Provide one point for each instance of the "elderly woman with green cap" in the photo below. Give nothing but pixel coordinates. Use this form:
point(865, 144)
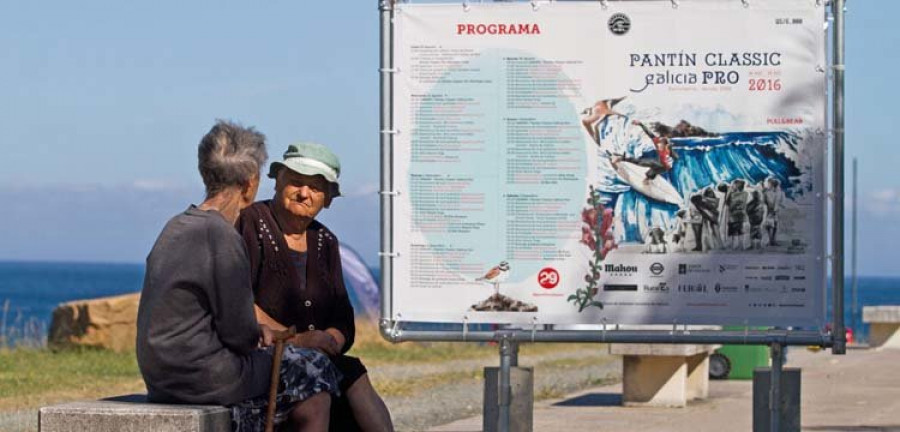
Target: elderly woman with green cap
point(298, 281)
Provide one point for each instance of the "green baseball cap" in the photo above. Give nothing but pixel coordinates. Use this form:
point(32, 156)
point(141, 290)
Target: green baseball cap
point(310, 158)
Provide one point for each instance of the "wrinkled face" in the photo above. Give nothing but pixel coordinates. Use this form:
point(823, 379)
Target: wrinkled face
point(301, 195)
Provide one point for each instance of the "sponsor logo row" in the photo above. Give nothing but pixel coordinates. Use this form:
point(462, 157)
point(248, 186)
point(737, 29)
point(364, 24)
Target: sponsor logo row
point(658, 269)
point(700, 288)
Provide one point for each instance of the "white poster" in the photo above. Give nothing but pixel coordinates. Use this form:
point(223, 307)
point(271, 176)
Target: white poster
point(563, 163)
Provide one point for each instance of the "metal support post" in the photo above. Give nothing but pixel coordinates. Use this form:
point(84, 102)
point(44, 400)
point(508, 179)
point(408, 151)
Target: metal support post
point(777, 351)
point(506, 360)
point(837, 228)
point(703, 337)
point(386, 80)
point(854, 306)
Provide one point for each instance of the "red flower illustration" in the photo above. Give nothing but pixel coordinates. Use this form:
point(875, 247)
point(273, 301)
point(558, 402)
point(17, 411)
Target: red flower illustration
point(596, 234)
point(589, 216)
point(587, 238)
point(607, 221)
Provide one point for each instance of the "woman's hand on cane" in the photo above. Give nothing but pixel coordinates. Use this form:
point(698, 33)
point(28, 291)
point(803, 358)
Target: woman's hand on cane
point(266, 336)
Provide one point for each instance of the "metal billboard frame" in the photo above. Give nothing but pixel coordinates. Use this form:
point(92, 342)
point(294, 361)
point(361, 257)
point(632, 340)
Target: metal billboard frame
point(508, 339)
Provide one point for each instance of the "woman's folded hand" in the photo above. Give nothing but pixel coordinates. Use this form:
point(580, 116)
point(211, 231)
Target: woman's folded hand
point(317, 339)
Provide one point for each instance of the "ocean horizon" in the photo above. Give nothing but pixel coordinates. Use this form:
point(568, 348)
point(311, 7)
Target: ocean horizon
point(30, 290)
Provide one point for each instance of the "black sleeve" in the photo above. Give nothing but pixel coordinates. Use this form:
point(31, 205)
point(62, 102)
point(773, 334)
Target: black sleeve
point(249, 231)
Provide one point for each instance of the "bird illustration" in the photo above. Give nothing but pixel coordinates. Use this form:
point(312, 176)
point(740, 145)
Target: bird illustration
point(496, 276)
point(595, 114)
point(603, 108)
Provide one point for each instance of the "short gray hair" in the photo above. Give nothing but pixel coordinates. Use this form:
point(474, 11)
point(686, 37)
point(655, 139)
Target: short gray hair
point(230, 155)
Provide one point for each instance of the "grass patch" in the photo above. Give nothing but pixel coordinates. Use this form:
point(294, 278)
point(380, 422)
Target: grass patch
point(420, 352)
point(579, 364)
point(406, 387)
point(574, 362)
point(33, 377)
point(374, 350)
point(550, 392)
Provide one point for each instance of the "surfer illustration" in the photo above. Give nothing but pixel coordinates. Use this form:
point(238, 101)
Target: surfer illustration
point(641, 174)
point(681, 223)
point(595, 114)
point(696, 220)
point(736, 203)
point(722, 194)
point(664, 161)
point(707, 205)
point(756, 213)
point(657, 241)
point(773, 196)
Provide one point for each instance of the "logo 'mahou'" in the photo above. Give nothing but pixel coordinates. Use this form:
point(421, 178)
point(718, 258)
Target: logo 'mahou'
point(620, 268)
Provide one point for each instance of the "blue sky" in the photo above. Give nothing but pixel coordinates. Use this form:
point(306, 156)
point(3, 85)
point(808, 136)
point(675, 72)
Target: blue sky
point(102, 104)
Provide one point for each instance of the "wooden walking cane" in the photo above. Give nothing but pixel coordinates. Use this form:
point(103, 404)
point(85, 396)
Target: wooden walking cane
point(280, 338)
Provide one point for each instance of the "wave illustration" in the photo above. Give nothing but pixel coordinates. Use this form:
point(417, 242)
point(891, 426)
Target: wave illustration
point(702, 162)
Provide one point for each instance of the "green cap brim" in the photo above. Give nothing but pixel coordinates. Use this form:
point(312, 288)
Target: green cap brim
point(308, 167)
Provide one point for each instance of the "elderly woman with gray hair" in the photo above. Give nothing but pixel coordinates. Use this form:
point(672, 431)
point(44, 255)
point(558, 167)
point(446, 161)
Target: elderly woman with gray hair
point(298, 279)
point(198, 338)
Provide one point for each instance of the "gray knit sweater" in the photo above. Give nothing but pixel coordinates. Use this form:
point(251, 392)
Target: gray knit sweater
point(197, 334)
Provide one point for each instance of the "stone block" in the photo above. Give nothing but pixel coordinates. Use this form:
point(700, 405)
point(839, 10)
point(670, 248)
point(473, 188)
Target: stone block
point(657, 381)
point(109, 322)
point(660, 349)
point(884, 326)
point(132, 414)
point(697, 376)
point(663, 375)
point(881, 314)
point(884, 335)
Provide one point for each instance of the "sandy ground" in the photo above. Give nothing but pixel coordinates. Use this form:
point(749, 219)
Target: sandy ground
point(856, 392)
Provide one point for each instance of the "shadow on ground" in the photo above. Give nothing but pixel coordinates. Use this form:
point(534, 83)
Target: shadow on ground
point(593, 400)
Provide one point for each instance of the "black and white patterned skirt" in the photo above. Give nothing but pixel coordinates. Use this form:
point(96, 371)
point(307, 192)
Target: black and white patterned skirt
point(304, 373)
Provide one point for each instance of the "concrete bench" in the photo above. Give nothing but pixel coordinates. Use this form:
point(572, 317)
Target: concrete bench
point(132, 414)
point(663, 375)
point(884, 326)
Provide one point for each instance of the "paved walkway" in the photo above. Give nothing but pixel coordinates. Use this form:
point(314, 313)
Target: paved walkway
point(857, 392)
